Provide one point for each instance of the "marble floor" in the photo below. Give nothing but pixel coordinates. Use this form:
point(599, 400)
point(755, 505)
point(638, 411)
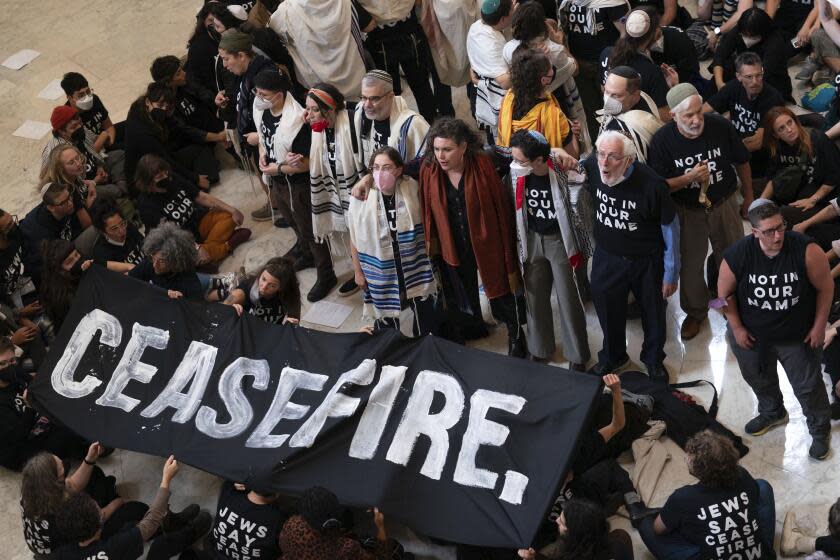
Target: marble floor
point(112, 42)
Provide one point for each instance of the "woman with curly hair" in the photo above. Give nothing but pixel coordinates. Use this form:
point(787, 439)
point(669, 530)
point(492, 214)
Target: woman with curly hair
point(727, 511)
point(529, 105)
point(170, 262)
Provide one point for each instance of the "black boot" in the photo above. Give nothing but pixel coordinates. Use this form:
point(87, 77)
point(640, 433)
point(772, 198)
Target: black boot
point(636, 509)
point(174, 521)
point(516, 343)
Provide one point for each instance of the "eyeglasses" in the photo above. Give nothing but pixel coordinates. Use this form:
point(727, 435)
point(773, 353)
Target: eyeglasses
point(79, 158)
point(69, 199)
point(751, 77)
point(773, 231)
point(6, 363)
point(615, 158)
point(117, 227)
point(374, 99)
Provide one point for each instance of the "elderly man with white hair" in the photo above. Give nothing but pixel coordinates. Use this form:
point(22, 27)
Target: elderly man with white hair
point(636, 236)
point(702, 158)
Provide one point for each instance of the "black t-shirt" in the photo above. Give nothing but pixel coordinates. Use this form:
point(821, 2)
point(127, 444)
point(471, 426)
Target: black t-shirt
point(629, 216)
point(776, 300)
point(390, 204)
point(242, 529)
point(791, 15)
point(131, 251)
point(185, 282)
point(40, 533)
point(772, 50)
point(381, 133)
point(41, 225)
point(653, 81)
point(11, 262)
point(268, 128)
point(125, 545)
point(329, 134)
point(587, 40)
point(94, 118)
point(542, 214)
point(823, 168)
point(16, 422)
point(671, 154)
point(269, 310)
point(678, 51)
point(723, 523)
point(456, 206)
point(176, 205)
point(300, 145)
point(745, 113)
point(658, 5)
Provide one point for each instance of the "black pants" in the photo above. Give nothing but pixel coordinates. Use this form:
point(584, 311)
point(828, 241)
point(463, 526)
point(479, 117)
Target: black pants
point(424, 317)
point(613, 278)
point(601, 481)
point(127, 515)
point(411, 54)
point(200, 159)
point(165, 546)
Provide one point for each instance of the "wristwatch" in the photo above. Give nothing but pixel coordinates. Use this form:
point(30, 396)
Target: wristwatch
point(717, 31)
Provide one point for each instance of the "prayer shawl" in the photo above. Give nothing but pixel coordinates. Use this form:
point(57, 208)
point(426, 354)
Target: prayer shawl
point(638, 125)
point(371, 236)
point(331, 194)
point(590, 6)
point(545, 117)
point(446, 24)
point(325, 42)
point(408, 130)
point(291, 120)
point(488, 218)
point(562, 205)
point(386, 12)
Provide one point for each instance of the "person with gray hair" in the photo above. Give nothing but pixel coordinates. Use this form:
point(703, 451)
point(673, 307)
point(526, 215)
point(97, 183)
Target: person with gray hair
point(702, 158)
point(636, 239)
point(170, 260)
point(776, 290)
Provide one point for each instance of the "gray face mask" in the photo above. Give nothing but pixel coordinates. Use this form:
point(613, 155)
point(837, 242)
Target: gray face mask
point(750, 41)
point(85, 103)
point(262, 104)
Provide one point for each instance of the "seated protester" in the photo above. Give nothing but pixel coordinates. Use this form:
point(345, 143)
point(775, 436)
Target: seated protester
point(726, 511)
point(714, 19)
point(589, 30)
point(241, 506)
point(26, 335)
point(108, 174)
point(14, 278)
point(202, 51)
point(388, 246)
point(120, 244)
point(23, 432)
point(62, 272)
point(189, 108)
point(796, 19)
point(284, 144)
point(674, 48)
point(80, 523)
point(824, 49)
point(669, 11)
point(796, 542)
point(66, 165)
point(633, 49)
point(755, 32)
point(804, 167)
point(92, 111)
point(629, 110)
point(54, 218)
point(529, 27)
point(165, 196)
point(747, 99)
point(273, 295)
point(45, 485)
point(315, 533)
point(171, 254)
point(548, 250)
point(584, 534)
point(529, 106)
point(490, 74)
point(334, 167)
point(150, 129)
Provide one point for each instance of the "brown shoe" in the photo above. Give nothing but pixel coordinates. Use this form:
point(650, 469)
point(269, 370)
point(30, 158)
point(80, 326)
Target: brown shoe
point(690, 328)
point(238, 237)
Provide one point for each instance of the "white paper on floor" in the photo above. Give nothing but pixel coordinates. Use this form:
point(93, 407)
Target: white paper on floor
point(328, 314)
point(34, 130)
point(21, 59)
point(51, 91)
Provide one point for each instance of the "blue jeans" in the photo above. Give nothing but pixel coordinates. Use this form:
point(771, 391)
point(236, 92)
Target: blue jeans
point(673, 546)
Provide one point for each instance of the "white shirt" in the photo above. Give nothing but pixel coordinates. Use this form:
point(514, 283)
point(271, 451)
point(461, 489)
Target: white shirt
point(485, 46)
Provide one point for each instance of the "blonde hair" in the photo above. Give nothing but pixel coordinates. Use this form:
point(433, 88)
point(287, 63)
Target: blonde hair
point(54, 172)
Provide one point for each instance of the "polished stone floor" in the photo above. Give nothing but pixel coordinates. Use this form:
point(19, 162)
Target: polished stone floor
point(112, 42)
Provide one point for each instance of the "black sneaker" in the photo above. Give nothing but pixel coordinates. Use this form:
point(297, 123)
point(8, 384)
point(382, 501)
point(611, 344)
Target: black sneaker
point(348, 288)
point(304, 261)
point(658, 372)
point(638, 512)
point(760, 425)
point(281, 223)
point(819, 448)
point(294, 252)
point(201, 525)
point(321, 288)
point(602, 369)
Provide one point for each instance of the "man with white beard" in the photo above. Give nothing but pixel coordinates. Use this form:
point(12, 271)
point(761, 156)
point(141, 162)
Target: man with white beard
point(702, 158)
point(636, 239)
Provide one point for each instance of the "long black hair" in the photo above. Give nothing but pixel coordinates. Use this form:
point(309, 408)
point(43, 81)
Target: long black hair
point(200, 28)
point(528, 22)
point(626, 46)
point(526, 71)
point(587, 531)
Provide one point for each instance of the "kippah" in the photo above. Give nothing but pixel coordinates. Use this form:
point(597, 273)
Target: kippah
point(238, 12)
point(380, 75)
point(489, 6)
point(759, 202)
point(638, 23)
point(538, 136)
point(680, 93)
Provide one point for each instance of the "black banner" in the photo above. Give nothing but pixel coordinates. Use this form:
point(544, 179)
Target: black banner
point(457, 443)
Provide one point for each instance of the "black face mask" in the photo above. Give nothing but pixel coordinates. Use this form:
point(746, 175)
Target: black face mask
point(158, 115)
point(164, 183)
point(76, 271)
point(79, 135)
point(10, 373)
point(215, 35)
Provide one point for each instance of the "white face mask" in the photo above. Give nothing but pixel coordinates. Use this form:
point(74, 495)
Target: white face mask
point(262, 104)
point(612, 106)
point(659, 44)
point(750, 41)
point(85, 103)
point(519, 170)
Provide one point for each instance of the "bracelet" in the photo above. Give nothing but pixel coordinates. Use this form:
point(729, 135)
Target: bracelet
point(88, 462)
